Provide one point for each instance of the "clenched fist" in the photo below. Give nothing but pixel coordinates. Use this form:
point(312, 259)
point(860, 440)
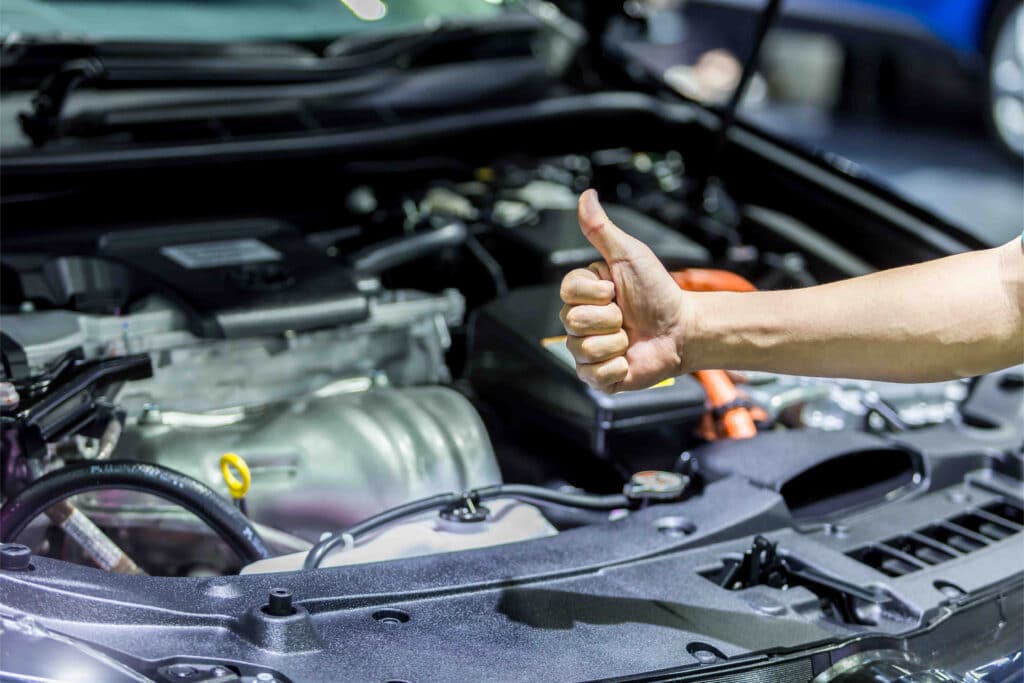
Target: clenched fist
point(625, 316)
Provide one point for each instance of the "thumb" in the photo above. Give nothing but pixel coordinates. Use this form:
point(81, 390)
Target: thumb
point(612, 243)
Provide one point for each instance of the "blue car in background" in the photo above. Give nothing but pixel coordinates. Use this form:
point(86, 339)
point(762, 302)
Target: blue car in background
point(985, 39)
point(961, 24)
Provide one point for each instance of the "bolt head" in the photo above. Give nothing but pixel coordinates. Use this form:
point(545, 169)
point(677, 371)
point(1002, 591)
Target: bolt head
point(15, 557)
point(182, 671)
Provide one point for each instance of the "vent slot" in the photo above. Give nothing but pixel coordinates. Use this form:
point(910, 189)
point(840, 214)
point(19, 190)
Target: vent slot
point(889, 562)
point(958, 539)
point(919, 548)
point(944, 540)
point(989, 527)
point(1008, 511)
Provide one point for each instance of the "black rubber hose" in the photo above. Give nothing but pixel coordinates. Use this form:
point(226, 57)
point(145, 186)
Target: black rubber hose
point(524, 492)
point(542, 496)
point(400, 250)
point(81, 477)
point(319, 551)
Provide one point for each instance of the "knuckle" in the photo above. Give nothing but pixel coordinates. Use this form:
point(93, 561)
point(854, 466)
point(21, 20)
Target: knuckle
point(570, 287)
point(572, 319)
point(564, 291)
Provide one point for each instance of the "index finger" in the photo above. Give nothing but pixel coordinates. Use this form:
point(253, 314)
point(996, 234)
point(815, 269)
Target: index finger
point(582, 286)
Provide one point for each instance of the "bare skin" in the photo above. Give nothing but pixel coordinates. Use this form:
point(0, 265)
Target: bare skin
point(630, 326)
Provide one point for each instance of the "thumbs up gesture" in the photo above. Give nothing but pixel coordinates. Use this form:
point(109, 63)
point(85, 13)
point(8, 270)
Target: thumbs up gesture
point(625, 316)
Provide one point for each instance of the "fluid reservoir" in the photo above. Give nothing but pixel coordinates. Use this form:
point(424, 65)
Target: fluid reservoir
point(503, 521)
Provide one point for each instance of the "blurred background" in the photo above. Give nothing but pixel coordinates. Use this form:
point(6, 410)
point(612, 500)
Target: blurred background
point(926, 96)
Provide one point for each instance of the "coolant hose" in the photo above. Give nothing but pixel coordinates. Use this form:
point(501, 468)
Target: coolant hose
point(711, 280)
point(736, 421)
point(89, 475)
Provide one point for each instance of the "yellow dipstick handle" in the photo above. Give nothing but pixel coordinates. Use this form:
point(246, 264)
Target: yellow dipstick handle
point(229, 464)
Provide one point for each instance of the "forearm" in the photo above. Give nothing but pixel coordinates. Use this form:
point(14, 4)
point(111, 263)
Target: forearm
point(954, 317)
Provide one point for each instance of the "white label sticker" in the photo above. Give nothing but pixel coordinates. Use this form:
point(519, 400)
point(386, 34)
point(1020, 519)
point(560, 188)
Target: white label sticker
point(222, 253)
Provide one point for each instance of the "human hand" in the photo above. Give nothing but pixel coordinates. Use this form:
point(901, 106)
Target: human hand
point(625, 316)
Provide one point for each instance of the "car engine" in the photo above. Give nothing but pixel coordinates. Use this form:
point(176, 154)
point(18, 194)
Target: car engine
point(336, 389)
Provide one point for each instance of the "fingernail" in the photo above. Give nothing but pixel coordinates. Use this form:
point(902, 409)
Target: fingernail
point(589, 204)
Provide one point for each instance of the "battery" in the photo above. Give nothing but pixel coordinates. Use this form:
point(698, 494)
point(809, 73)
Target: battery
point(519, 364)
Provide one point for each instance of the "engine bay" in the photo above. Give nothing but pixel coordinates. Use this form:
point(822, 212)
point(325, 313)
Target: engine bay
point(336, 388)
point(391, 336)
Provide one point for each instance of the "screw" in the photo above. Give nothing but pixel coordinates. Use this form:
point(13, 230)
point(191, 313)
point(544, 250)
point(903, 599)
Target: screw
point(950, 590)
point(182, 670)
point(704, 653)
point(280, 603)
point(15, 557)
point(837, 530)
point(264, 677)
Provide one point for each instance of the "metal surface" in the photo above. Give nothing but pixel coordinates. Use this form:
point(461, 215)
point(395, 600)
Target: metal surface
point(832, 404)
point(329, 436)
point(317, 463)
point(405, 335)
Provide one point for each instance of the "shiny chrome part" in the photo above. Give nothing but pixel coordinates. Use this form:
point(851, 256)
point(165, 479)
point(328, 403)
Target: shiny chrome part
point(885, 666)
point(322, 418)
point(998, 671)
point(402, 343)
point(317, 463)
point(795, 396)
point(833, 404)
point(401, 338)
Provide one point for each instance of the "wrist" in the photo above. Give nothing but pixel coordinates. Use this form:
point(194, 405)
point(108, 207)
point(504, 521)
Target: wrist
point(689, 333)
